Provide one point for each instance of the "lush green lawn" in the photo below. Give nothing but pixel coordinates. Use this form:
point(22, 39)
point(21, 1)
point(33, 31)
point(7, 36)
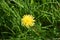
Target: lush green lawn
point(46, 14)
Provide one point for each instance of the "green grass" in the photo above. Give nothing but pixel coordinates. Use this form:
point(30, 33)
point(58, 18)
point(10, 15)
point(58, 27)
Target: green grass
point(46, 13)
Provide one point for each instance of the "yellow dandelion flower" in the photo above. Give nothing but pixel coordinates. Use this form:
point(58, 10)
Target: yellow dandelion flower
point(28, 21)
